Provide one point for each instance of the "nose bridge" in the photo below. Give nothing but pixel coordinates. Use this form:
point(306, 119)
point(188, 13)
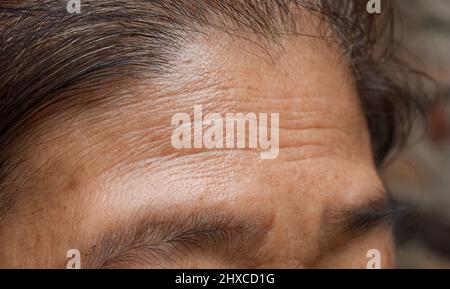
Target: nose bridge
point(301, 194)
point(297, 225)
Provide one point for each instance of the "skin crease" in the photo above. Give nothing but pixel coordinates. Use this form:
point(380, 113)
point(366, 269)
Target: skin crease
point(109, 161)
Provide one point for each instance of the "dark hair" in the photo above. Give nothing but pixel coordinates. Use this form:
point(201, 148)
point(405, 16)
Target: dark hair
point(48, 56)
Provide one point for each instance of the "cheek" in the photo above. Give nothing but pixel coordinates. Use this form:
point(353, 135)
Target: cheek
point(374, 251)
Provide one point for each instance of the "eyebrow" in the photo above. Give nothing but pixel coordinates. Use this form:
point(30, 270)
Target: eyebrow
point(164, 239)
point(160, 240)
point(344, 225)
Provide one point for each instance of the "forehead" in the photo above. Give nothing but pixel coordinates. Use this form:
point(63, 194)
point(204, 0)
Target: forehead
point(127, 141)
point(116, 158)
point(306, 80)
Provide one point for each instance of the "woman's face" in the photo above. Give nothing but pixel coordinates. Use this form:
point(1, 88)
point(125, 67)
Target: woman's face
point(110, 184)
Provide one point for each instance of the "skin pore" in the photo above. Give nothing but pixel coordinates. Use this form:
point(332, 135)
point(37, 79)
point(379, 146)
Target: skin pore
point(108, 183)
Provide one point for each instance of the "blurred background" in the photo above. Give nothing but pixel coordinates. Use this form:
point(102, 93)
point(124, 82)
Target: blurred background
point(420, 177)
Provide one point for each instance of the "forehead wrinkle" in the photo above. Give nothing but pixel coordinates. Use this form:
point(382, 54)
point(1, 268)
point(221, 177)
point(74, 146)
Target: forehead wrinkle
point(138, 129)
point(216, 103)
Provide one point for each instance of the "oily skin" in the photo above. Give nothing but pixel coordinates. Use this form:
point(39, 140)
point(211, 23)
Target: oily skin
point(109, 162)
